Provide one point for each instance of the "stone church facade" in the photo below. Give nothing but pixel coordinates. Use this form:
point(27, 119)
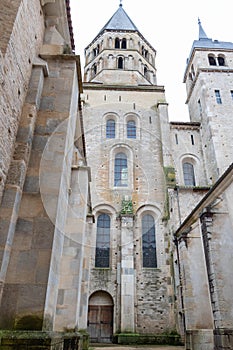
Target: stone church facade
point(114, 222)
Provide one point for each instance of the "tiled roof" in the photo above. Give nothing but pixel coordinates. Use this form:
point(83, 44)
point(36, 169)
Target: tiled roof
point(119, 21)
point(205, 42)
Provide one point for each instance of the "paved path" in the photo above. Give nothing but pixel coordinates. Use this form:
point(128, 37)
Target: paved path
point(137, 347)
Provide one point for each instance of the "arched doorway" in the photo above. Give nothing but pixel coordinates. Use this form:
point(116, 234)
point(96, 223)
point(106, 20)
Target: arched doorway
point(100, 317)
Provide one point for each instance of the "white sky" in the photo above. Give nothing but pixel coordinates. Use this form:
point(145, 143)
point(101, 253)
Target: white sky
point(169, 26)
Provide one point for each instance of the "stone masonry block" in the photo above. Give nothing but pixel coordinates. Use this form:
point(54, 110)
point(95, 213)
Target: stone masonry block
point(21, 152)
point(35, 86)
point(43, 233)
point(42, 272)
point(31, 206)
point(16, 173)
point(31, 298)
point(47, 103)
point(32, 184)
point(11, 198)
point(9, 307)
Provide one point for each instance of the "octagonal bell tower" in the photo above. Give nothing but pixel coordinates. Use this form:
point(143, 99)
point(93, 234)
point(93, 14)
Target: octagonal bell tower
point(119, 46)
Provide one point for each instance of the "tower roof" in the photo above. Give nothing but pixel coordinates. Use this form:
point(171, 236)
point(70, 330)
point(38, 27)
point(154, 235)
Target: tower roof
point(206, 43)
point(202, 34)
point(119, 21)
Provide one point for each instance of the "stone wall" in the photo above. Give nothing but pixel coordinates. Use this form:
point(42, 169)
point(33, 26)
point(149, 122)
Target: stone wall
point(17, 55)
point(32, 270)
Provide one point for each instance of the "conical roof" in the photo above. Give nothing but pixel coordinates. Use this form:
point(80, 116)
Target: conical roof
point(119, 21)
point(202, 34)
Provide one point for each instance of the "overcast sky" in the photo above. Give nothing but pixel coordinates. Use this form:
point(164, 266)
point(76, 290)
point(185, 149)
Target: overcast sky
point(169, 26)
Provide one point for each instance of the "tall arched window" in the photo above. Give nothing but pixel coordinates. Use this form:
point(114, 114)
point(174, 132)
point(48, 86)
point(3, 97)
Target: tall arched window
point(188, 172)
point(102, 251)
point(110, 129)
point(212, 60)
point(117, 43)
point(121, 170)
point(124, 44)
point(148, 241)
point(146, 72)
point(120, 63)
point(94, 69)
point(131, 129)
point(221, 61)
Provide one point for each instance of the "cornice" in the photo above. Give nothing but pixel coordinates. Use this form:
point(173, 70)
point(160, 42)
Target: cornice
point(144, 88)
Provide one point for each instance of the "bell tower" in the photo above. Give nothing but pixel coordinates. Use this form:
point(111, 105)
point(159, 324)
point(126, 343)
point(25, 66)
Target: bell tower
point(208, 78)
point(127, 132)
point(121, 54)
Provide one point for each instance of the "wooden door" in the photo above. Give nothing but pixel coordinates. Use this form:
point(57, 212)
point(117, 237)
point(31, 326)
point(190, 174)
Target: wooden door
point(100, 323)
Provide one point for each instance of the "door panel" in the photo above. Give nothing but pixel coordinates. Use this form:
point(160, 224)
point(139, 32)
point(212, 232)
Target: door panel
point(93, 323)
point(106, 324)
point(100, 323)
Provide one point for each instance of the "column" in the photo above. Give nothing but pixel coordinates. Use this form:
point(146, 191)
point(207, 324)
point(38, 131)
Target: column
point(127, 275)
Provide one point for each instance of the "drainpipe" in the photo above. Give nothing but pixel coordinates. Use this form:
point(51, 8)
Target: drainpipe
point(181, 285)
point(178, 203)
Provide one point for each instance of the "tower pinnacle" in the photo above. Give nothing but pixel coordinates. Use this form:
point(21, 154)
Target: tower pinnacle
point(120, 3)
point(202, 34)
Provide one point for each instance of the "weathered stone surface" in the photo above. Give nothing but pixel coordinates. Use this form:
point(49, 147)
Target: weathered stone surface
point(16, 77)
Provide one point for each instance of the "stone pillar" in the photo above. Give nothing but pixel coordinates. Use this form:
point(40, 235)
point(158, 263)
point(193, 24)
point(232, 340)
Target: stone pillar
point(88, 251)
point(197, 305)
point(165, 132)
point(127, 275)
point(217, 234)
point(69, 293)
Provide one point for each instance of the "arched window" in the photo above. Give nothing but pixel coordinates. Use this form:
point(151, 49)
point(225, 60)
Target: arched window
point(148, 241)
point(110, 129)
point(212, 60)
point(145, 71)
point(188, 172)
point(117, 43)
point(124, 44)
point(221, 61)
point(131, 129)
point(102, 241)
point(94, 69)
point(120, 63)
point(121, 170)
